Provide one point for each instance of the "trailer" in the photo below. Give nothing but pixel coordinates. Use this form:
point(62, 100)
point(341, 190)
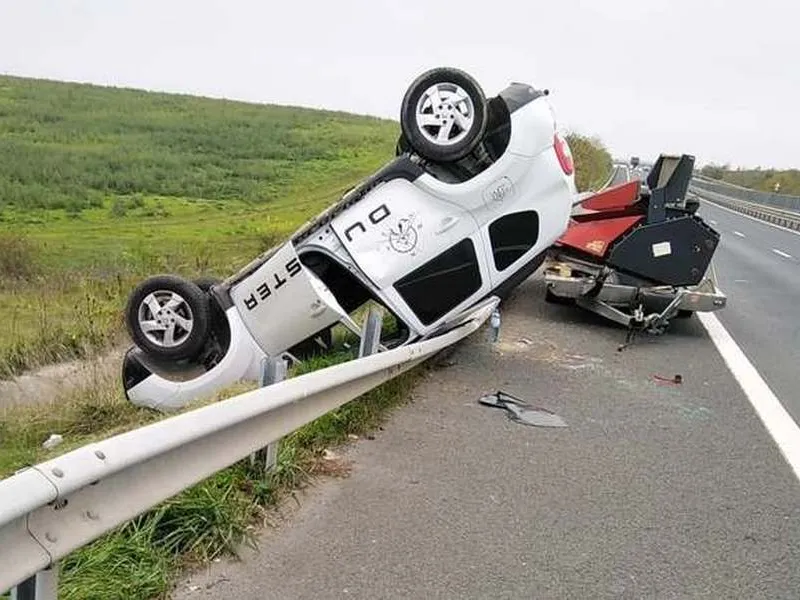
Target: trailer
point(639, 259)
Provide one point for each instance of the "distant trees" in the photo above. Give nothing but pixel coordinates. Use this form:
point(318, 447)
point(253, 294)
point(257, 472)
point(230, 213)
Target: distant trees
point(766, 180)
point(592, 161)
point(713, 171)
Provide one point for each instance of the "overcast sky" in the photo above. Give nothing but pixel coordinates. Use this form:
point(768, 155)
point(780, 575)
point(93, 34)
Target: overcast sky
point(716, 78)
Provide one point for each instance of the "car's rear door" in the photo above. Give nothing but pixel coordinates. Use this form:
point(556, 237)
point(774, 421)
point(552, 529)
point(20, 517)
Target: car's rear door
point(418, 250)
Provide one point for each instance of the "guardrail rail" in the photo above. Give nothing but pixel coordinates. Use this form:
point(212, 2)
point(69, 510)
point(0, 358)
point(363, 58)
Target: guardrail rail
point(57, 506)
point(778, 216)
point(737, 192)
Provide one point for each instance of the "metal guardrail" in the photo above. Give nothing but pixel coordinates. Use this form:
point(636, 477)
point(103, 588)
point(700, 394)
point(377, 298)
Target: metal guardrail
point(777, 216)
point(52, 508)
point(775, 200)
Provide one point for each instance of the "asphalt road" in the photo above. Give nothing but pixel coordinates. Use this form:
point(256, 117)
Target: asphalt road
point(621, 174)
point(654, 490)
point(758, 267)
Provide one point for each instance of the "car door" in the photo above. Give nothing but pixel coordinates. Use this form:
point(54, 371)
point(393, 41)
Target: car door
point(418, 250)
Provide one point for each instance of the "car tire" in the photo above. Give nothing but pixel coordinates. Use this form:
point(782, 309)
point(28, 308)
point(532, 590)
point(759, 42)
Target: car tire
point(173, 307)
point(402, 146)
point(205, 283)
point(459, 118)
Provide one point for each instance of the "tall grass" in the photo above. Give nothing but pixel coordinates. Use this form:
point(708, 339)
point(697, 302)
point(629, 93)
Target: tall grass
point(19, 257)
point(55, 318)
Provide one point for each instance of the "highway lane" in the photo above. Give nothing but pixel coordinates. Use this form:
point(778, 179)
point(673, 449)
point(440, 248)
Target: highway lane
point(758, 267)
point(621, 174)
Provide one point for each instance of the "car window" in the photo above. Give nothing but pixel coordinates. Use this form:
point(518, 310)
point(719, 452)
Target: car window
point(512, 235)
point(442, 283)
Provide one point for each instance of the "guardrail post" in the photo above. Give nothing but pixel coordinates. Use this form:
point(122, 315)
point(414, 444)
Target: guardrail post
point(494, 326)
point(371, 333)
point(273, 370)
point(42, 586)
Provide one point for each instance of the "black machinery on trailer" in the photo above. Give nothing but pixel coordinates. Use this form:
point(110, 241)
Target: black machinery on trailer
point(639, 258)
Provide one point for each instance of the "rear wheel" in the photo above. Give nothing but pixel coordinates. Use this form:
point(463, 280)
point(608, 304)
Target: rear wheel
point(168, 317)
point(205, 283)
point(443, 115)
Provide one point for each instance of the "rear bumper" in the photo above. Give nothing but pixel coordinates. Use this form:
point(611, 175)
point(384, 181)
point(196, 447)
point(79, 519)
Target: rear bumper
point(167, 387)
point(562, 281)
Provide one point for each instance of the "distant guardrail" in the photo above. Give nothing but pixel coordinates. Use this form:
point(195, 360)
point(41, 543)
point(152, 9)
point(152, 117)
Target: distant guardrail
point(777, 216)
point(783, 201)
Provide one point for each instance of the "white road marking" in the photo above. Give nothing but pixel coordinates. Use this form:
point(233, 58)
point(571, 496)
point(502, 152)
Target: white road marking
point(781, 253)
point(739, 233)
point(740, 281)
point(735, 212)
point(779, 423)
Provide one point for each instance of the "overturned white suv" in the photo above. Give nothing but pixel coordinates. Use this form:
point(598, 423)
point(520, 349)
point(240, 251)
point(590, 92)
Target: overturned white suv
point(478, 191)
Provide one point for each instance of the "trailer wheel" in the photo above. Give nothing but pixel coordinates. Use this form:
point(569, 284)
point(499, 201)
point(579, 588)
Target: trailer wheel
point(168, 317)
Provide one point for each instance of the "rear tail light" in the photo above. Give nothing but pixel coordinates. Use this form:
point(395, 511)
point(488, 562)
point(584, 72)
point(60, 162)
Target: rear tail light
point(564, 154)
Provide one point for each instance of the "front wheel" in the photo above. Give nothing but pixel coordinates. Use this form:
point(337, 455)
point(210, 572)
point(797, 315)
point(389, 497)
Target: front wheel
point(443, 115)
point(168, 317)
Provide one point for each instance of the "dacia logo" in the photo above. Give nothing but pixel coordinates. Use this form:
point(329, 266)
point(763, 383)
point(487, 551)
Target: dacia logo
point(498, 190)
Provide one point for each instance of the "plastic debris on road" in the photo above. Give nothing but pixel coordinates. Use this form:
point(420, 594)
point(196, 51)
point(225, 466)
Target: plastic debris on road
point(523, 413)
